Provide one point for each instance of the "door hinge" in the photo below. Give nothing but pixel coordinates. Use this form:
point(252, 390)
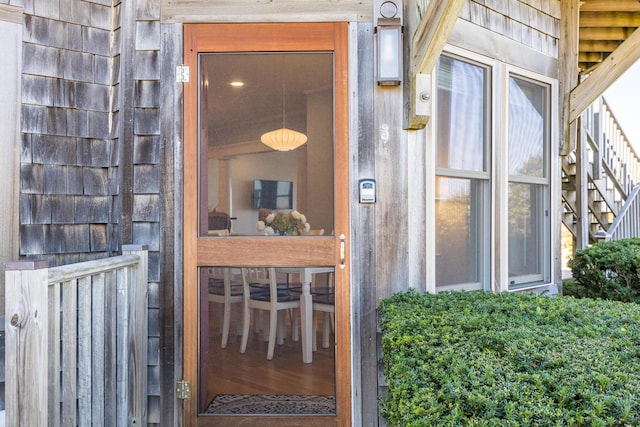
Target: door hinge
point(183, 389)
point(182, 74)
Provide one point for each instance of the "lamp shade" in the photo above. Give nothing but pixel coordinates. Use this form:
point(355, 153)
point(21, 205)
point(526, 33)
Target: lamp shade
point(283, 139)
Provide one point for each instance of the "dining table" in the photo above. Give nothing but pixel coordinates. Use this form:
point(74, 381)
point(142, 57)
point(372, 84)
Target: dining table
point(306, 305)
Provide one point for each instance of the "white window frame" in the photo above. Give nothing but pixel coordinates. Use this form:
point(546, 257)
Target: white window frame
point(497, 254)
point(484, 176)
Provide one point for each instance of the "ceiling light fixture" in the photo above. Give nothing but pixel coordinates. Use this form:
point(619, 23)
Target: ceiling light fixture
point(283, 139)
point(236, 83)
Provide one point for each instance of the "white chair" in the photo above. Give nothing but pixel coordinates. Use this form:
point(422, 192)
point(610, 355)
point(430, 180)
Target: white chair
point(223, 289)
point(324, 301)
point(264, 294)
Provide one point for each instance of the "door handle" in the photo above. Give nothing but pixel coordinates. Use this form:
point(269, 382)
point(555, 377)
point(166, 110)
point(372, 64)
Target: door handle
point(342, 238)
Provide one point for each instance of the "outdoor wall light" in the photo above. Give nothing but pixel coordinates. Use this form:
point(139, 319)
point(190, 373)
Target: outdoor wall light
point(389, 46)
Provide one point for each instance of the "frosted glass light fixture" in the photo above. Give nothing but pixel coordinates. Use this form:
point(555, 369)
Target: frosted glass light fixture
point(389, 45)
point(283, 139)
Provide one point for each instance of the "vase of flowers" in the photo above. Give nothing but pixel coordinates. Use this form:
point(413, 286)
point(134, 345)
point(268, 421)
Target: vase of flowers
point(284, 224)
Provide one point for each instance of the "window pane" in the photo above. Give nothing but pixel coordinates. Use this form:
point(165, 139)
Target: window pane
point(526, 237)
point(527, 128)
point(244, 96)
point(459, 221)
point(462, 115)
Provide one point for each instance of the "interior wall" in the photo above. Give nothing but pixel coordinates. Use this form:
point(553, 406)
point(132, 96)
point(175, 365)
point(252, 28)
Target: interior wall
point(319, 194)
point(275, 165)
point(310, 168)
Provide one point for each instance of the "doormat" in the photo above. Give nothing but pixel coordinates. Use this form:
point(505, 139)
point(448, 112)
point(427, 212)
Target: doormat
point(272, 404)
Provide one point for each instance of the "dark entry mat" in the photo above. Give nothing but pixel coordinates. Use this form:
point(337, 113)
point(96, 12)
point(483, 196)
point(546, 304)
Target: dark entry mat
point(272, 404)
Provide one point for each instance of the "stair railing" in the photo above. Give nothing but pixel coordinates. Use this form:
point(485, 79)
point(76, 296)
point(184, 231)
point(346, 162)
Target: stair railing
point(613, 172)
point(619, 156)
point(627, 223)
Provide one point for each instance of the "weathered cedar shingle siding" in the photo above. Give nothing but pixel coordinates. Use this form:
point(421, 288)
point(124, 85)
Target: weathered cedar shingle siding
point(91, 156)
point(535, 24)
point(68, 140)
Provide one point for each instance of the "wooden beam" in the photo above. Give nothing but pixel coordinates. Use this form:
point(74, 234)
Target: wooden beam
point(228, 151)
point(11, 14)
point(591, 57)
point(426, 45)
point(609, 19)
point(264, 11)
point(610, 6)
point(432, 34)
point(568, 69)
point(602, 33)
point(598, 45)
point(604, 75)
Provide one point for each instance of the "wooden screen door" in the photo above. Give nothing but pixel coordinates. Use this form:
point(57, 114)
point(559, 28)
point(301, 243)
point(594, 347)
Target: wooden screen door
point(222, 181)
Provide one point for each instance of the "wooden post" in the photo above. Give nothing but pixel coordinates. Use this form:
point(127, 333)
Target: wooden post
point(582, 190)
point(11, 19)
point(27, 323)
point(136, 337)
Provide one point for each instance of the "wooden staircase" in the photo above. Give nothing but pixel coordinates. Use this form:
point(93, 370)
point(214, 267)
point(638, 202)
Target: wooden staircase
point(600, 180)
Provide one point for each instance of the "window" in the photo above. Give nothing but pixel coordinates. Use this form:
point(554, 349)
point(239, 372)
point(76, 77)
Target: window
point(491, 168)
point(528, 194)
point(462, 181)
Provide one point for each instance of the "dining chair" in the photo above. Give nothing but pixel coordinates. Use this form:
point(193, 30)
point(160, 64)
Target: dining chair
point(226, 290)
point(219, 221)
point(258, 282)
point(324, 301)
point(272, 299)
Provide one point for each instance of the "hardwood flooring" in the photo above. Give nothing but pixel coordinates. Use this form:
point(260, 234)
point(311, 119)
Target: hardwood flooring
point(231, 372)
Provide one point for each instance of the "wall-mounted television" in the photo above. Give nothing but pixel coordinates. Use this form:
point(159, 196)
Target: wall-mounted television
point(272, 194)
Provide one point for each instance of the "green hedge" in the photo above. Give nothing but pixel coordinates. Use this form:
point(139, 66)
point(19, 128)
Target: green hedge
point(482, 359)
point(608, 270)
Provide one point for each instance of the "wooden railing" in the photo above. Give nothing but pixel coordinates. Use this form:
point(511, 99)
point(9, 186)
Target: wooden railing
point(627, 223)
point(619, 155)
point(76, 342)
point(610, 171)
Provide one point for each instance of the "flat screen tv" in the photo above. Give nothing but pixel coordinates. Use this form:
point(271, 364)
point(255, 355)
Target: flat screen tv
point(272, 194)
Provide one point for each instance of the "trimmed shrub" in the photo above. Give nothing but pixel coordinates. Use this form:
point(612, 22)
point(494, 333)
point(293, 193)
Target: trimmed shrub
point(482, 359)
point(608, 270)
point(574, 289)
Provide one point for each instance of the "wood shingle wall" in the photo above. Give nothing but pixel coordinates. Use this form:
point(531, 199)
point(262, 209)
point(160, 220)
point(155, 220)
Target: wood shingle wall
point(90, 162)
point(534, 23)
point(68, 202)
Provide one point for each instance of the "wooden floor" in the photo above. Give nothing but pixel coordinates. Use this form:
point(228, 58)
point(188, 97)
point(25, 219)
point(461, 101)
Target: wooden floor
point(251, 372)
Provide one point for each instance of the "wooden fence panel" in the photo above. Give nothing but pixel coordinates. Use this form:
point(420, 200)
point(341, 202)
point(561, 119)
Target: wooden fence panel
point(110, 371)
point(85, 373)
point(122, 319)
point(69, 353)
point(55, 337)
point(98, 336)
point(93, 314)
point(26, 344)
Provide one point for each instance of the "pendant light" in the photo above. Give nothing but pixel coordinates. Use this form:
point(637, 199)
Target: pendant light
point(283, 139)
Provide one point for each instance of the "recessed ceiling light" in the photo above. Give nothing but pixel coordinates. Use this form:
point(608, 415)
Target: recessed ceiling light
point(236, 83)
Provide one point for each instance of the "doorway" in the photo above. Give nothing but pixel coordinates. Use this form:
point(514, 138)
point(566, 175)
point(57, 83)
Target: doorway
point(249, 206)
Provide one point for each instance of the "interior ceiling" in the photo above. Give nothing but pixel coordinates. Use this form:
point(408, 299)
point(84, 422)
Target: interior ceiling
point(604, 25)
point(271, 81)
